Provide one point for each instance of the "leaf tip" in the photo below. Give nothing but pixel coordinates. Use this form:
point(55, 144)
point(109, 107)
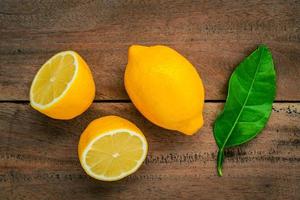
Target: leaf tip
point(263, 46)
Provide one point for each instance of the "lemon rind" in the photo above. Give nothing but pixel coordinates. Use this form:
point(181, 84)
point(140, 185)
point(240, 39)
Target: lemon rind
point(55, 100)
point(123, 174)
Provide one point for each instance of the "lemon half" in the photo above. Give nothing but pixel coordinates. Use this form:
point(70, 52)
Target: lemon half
point(111, 148)
point(64, 87)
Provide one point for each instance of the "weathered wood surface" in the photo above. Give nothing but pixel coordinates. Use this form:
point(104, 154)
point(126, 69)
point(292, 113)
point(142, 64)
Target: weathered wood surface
point(214, 35)
point(38, 159)
point(38, 155)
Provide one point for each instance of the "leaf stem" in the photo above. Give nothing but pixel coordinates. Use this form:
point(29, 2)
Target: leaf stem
point(220, 161)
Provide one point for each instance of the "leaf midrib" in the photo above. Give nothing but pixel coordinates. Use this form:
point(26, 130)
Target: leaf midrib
point(245, 102)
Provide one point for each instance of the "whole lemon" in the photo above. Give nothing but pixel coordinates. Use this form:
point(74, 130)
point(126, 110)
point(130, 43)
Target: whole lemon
point(165, 87)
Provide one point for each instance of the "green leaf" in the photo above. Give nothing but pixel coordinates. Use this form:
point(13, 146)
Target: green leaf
point(252, 88)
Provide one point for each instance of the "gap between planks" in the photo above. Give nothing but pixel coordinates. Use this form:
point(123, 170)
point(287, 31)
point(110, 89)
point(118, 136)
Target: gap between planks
point(129, 101)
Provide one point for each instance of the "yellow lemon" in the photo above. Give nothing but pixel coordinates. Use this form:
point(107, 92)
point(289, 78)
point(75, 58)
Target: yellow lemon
point(111, 148)
point(64, 87)
point(165, 87)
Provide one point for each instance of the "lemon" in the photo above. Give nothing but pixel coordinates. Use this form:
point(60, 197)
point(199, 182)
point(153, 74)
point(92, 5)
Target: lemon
point(111, 148)
point(165, 87)
point(63, 88)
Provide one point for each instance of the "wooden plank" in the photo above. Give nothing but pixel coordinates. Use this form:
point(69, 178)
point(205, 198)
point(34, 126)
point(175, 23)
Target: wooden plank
point(214, 35)
point(38, 159)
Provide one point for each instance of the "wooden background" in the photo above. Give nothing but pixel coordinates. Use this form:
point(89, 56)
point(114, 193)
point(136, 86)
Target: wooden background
point(38, 155)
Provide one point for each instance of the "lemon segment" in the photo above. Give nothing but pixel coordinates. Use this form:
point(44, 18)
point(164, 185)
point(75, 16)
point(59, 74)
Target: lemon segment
point(111, 148)
point(64, 87)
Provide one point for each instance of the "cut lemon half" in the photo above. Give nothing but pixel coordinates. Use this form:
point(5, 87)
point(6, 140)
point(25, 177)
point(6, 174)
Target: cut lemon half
point(111, 148)
point(63, 88)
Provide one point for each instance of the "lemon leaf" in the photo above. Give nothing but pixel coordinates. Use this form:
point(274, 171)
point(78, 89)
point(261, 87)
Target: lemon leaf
point(248, 106)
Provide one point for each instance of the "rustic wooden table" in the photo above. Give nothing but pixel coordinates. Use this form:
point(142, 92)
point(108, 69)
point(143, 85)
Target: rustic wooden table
point(38, 155)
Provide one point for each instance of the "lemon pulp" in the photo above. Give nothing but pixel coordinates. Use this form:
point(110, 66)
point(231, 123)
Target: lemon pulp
point(53, 79)
point(114, 155)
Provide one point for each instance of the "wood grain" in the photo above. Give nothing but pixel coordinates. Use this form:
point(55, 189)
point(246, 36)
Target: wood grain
point(38, 155)
point(38, 159)
point(214, 35)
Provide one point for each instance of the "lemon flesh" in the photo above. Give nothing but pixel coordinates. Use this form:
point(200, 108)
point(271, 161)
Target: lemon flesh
point(53, 79)
point(113, 156)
